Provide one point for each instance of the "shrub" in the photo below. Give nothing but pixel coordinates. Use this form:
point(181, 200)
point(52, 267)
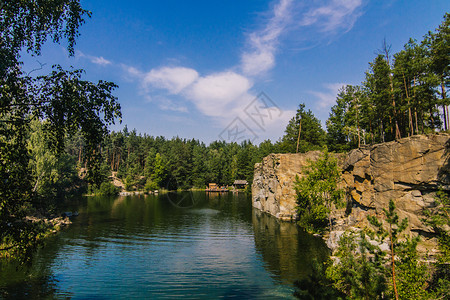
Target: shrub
point(107, 189)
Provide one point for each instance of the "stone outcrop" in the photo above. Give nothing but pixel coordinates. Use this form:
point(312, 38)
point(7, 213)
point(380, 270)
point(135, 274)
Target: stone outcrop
point(273, 183)
point(408, 171)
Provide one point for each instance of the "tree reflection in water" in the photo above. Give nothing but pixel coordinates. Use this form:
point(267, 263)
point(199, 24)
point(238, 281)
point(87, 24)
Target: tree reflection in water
point(287, 250)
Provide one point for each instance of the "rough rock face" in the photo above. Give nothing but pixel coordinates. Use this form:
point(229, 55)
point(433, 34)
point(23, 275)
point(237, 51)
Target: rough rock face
point(409, 171)
point(273, 183)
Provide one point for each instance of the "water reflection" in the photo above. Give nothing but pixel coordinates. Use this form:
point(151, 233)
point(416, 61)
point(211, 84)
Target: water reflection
point(287, 250)
point(150, 247)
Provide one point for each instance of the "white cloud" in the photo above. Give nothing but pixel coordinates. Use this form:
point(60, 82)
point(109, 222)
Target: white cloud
point(100, 61)
point(333, 15)
point(173, 79)
point(261, 56)
point(225, 95)
point(132, 71)
point(328, 98)
point(166, 104)
point(328, 17)
point(219, 88)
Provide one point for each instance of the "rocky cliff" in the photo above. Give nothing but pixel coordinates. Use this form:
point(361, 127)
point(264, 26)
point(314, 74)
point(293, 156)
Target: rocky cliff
point(273, 183)
point(409, 171)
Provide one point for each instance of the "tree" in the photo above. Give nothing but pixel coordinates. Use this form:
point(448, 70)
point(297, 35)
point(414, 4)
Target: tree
point(439, 218)
point(62, 98)
point(439, 47)
point(395, 227)
point(159, 174)
point(344, 124)
point(378, 90)
point(359, 272)
point(337, 139)
point(199, 167)
point(414, 88)
point(305, 130)
point(316, 193)
point(52, 174)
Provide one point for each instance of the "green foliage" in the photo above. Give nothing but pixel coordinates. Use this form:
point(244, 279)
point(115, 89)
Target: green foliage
point(19, 241)
point(107, 189)
point(179, 163)
point(439, 219)
point(317, 286)
point(67, 103)
point(312, 136)
point(129, 183)
point(399, 97)
point(316, 193)
point(159, 174)
point(150, 186)
point(359, 272)
point(412, 275)
point(53, 174)
point(408, 276)
point(344, 126)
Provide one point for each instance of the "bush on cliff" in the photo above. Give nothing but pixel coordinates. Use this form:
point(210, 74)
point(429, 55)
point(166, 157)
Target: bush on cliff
point(316, 193)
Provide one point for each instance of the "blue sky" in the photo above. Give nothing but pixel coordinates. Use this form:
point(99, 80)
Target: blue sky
point(234, 70)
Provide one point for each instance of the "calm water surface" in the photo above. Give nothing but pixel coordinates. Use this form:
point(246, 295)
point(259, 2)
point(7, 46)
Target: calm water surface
point(189, 245)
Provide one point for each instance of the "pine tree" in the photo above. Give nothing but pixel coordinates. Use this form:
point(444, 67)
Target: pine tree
point(303, 133)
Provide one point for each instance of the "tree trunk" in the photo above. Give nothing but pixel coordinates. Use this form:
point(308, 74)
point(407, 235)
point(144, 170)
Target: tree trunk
point(299, 131)
point(37, 181)
point(444, 96)
point(113, 160)
point(417, 121)
point(79, 154)
point(393, 263)
point(411, 127)
point(357, 125)
point(448, 117)
point(391, 82)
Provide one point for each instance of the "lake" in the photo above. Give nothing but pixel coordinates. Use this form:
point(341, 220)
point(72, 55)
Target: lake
point(190, 245)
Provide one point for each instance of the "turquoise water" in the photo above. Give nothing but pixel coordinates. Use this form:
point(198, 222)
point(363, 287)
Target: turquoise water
point(188, 245)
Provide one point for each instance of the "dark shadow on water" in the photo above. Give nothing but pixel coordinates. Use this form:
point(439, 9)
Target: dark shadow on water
point(21, 282)
point(287, 250)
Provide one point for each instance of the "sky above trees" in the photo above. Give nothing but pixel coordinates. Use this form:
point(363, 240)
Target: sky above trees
point(234, 70)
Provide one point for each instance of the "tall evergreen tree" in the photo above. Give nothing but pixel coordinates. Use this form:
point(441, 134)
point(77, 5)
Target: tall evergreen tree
point(303, 133)
point(439, 48)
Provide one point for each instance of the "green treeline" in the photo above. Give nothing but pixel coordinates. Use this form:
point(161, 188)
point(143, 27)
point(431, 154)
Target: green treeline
point(402, 95)
point(177, 163)
point(157, 162)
